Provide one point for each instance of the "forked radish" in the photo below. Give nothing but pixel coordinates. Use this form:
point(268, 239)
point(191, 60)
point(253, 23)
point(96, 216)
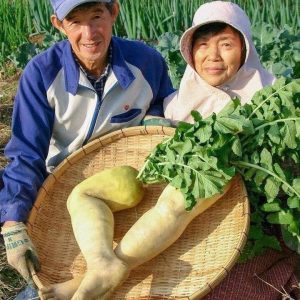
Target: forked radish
point(93, 226)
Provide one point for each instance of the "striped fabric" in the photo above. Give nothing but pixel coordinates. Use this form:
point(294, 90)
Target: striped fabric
point(279, 269)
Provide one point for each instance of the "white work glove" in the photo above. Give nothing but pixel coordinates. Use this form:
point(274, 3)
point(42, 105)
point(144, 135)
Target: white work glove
point(19, 249)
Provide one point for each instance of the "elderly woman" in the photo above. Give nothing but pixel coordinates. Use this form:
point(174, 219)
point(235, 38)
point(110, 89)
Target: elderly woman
point(222, 63)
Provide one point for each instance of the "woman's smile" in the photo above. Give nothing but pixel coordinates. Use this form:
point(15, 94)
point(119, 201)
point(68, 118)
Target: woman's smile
point(214, 70)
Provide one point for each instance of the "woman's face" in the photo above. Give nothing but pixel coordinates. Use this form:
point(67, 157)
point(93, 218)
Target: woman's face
point(217, 58)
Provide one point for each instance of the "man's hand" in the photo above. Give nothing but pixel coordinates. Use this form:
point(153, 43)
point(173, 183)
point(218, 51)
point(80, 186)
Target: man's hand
point(19, 248)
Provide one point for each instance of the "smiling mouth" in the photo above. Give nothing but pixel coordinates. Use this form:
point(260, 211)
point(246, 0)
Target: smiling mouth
point(214, 71)
point(91, 45)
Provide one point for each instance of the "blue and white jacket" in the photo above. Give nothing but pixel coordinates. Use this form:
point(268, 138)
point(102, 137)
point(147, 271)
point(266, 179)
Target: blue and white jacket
point(57, 110)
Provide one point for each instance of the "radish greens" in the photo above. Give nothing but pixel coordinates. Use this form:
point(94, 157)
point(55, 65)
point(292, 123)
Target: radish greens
point(260, 141)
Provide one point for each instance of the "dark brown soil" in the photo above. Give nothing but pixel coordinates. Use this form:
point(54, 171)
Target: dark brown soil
point(10, 281)
point(8, 89)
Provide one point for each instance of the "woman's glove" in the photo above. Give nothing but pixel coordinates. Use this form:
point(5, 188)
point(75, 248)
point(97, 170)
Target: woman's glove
point(19, 248)
point(156, 121)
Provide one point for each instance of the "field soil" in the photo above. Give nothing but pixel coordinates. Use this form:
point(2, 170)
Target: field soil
point(10, 282)
point(8, 89)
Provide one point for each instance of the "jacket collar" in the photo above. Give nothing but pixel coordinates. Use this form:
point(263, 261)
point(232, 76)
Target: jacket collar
point(71, 70)
point(119, 66)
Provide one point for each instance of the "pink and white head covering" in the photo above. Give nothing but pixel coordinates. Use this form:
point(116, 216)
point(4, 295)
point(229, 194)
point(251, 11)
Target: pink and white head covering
point(196, 94)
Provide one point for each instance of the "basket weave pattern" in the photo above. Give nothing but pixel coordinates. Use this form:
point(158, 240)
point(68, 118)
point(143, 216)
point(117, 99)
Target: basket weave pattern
point(188, 269)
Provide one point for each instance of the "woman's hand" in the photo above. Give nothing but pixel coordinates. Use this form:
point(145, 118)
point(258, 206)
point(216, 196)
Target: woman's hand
point(156, 121)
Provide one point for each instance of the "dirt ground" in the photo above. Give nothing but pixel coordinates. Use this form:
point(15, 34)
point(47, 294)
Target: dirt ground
point(10, 282)
point(7, 91)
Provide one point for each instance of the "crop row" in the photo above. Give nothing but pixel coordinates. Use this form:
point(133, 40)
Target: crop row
point(26, 30)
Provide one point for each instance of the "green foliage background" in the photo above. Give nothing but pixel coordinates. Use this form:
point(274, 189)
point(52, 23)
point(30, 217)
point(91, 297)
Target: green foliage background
point(276, 30)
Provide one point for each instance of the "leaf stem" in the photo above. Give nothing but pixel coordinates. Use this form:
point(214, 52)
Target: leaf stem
point(263, 102)
point(249, 165)
point(143, 168)
point(276, 121)
point(245, 138)
point(178, 164)
point(151, 181)
point(151, 155)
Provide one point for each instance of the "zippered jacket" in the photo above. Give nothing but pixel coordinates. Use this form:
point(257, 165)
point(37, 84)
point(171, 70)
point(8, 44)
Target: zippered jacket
point(57, 110)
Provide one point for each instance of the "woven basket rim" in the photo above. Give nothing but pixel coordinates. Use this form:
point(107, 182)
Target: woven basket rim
point(91, 146)
point(98, 143)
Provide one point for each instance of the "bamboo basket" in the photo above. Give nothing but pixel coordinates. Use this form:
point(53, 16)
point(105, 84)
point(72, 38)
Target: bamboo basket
point(189, 269)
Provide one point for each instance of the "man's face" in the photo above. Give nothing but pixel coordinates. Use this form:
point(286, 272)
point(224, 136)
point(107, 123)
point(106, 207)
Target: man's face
point(89, 32)
point(217, 58)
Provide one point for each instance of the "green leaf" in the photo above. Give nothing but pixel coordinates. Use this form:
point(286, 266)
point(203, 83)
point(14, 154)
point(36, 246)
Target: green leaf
point(171, 156)
point(266, 159)
point(186, 148)
point(292, 241)
point(255, 232)
point(293, 202)
point(237, 147)
point(177, 182)
point(210, 188)
point(294, 228)
point(230, 124)
point(230, 107)
point(260, 176)
point(189, 201)
point(188, 178)
point(272, 187)
point(281, 217)
point(196, 116)
point(204, 133)
point(296, 184)
point(271, 207)
point(297, 125)
point(271, 242)
point(292, 85)
point(279, 171)
point(274, 134)
point(248, 174)
point(289, 135)
point(256, 217)
point(183, 126)
point(196, 188)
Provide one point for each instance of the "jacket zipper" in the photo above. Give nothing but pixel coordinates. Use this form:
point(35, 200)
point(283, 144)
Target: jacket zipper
point(95, 116)
point(93, 122)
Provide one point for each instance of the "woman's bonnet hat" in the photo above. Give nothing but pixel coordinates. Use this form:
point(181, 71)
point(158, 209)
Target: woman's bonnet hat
point(216, 11)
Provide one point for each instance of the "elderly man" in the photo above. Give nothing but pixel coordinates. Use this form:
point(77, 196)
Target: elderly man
point(88, 85)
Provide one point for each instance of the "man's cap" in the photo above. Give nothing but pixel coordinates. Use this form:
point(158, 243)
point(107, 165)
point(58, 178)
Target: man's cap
point(63, 7)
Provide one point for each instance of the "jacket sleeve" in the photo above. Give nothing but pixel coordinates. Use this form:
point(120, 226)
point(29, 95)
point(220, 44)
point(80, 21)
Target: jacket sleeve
point(164, 89)
point(27, 150)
